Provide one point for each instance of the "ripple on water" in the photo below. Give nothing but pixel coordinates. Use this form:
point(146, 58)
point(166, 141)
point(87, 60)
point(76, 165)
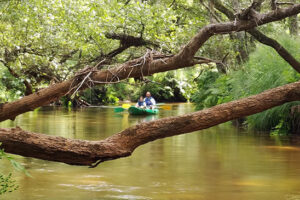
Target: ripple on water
point(293, 196)
point(132, 197)
point(101, 187)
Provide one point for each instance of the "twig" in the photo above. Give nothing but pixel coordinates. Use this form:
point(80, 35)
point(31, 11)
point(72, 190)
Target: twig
point(72, 96)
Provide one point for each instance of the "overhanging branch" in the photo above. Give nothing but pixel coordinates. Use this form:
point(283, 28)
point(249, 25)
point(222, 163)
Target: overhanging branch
point(277, 47)
point(259, 36)
point(126, 41)
point(122, 144)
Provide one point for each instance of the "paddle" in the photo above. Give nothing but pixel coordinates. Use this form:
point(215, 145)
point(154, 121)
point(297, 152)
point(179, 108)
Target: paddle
point(165, 107)
point(121, 109)
point(126, 106)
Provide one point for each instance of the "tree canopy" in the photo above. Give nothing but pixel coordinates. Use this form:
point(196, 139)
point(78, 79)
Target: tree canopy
point(48, 42)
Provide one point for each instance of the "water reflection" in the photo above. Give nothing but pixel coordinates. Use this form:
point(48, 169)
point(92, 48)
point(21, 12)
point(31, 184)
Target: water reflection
point(218, 163)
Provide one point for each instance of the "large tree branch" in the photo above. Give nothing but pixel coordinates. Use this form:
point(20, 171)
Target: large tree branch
point(144, 66)
point(220, 7)
point(126, 41)
point(259, 36)
point(277, 47)
point(122, 144)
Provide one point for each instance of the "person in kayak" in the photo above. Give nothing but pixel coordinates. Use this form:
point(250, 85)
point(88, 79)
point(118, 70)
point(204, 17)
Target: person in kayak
point(141, 103)
point(149, 101)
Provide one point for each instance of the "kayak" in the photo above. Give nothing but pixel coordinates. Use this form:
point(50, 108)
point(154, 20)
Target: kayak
point(140, 111)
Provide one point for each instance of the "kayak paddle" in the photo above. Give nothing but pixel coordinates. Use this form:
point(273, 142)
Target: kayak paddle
point(121, 109)
point(165, 107)
point(126, 106)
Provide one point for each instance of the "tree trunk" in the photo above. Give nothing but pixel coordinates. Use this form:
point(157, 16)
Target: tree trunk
point(122, 144)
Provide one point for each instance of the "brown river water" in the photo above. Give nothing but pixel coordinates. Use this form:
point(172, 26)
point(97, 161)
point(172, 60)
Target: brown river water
point(218, 163)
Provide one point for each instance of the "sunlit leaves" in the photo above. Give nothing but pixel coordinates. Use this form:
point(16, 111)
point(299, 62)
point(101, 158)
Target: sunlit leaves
point(53, 29)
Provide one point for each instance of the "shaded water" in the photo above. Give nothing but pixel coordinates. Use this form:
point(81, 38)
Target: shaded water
point(217, 163)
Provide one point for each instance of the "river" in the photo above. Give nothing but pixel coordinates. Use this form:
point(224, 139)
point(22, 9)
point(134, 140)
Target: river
point(217, 163)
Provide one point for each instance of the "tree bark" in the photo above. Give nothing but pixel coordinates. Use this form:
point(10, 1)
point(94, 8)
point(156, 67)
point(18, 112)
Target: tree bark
point(142, 67)
point(122, 144)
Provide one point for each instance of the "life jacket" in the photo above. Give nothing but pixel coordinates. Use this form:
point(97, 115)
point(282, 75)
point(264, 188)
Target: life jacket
point(140, 103)
point(148, 101)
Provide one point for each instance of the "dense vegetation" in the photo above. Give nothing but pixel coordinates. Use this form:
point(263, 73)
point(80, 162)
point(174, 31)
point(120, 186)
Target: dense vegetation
point(260, 73)
point(47, 42)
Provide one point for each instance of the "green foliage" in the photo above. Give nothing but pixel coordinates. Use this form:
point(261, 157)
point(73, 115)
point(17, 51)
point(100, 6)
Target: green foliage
point(170, 86)
point(51, 40)
point(264, 70)
point(10, 87)
point(16, 165)
point(213, 89)
point(159, 92)
point(276, 119)
point(7, 184)
point(204, 98)
point(101, 95)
